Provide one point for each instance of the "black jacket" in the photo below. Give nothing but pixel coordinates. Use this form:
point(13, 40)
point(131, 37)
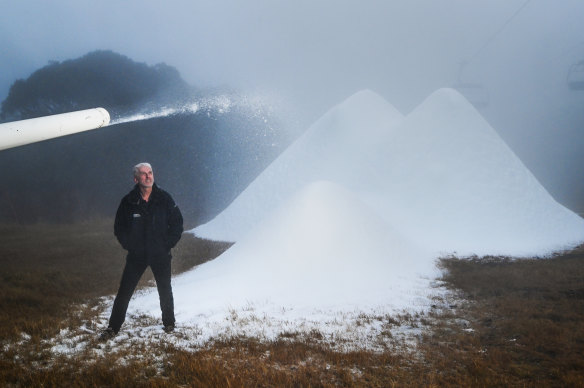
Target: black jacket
point(148, 229)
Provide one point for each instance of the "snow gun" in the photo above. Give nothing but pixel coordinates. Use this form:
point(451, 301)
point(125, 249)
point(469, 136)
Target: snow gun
point(17, 133)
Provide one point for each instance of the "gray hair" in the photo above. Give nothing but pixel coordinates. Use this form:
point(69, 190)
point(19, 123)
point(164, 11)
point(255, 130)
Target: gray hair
point(137, 167)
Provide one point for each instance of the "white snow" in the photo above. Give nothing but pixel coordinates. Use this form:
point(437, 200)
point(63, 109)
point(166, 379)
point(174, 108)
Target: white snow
point(334, 148)
point(441, 176)
point(352, 217)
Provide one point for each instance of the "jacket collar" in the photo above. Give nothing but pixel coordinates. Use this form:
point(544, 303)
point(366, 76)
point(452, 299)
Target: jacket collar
point(136, 196)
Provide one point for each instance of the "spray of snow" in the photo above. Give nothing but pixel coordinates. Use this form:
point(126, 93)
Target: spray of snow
point(256, 105)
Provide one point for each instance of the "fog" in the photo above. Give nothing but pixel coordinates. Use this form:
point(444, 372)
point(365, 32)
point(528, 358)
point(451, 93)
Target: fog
point(315, 54)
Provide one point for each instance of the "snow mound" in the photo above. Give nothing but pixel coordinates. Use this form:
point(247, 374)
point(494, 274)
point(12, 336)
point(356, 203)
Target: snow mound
point(322, 248)
point(333, 148)
point(453, 185)
point(441, 176)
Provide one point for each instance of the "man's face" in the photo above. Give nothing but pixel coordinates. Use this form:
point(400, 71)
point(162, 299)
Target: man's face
point(145, 177)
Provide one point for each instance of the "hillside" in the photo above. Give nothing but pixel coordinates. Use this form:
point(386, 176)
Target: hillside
point(204, 157)
point(99, 78)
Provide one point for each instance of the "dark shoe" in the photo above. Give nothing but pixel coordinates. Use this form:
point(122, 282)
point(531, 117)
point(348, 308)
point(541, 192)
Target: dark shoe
point(168, 328)
point(107, 334)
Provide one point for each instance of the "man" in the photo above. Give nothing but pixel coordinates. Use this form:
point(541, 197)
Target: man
point(148, 224)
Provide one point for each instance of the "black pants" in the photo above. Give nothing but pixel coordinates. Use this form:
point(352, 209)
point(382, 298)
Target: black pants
point(132, 273)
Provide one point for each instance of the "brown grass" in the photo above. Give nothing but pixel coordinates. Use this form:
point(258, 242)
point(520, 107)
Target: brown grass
point(509, 323)
point(47, 269)
point(527, 320)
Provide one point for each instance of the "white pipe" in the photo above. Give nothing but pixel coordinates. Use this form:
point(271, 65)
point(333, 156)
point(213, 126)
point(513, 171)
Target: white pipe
point(23, 132)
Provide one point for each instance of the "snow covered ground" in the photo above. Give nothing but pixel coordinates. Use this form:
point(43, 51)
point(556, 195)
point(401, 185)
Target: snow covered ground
point(348, 222)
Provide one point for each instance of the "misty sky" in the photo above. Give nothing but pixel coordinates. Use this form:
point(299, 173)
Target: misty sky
point(318, 52)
